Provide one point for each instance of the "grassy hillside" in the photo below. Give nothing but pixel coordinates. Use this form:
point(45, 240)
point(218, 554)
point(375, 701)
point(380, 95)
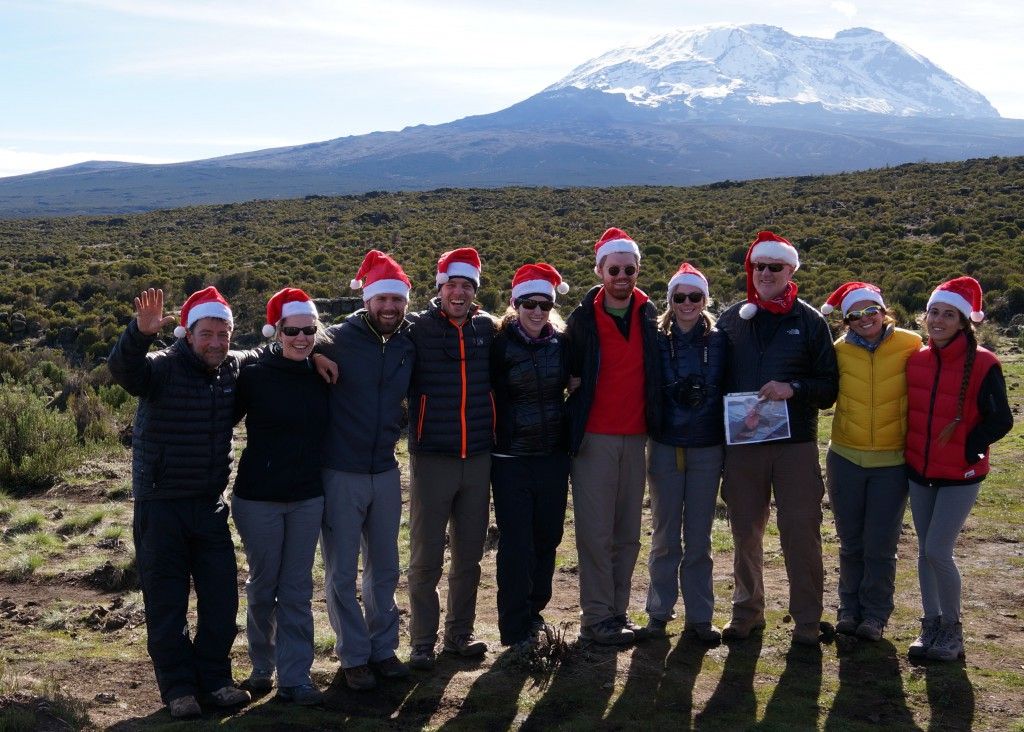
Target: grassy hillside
point(70, 281)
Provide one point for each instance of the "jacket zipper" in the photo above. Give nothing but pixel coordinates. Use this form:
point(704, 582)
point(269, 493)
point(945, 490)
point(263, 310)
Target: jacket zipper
point(931, 413)
point(540, 401)
point(462, 367)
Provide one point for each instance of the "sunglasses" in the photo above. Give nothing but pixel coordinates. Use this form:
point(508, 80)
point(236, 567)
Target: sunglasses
point(293, 330)
point(533, 304)
point(854, 315)
point(629, 270)
point(773, 267)
point(679, 298)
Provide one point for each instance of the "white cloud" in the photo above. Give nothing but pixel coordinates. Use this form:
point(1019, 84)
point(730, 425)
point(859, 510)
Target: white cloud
point(844, 8)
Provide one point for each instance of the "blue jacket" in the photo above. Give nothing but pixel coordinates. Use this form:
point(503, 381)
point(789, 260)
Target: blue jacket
point(692, 365)
point(366, 403)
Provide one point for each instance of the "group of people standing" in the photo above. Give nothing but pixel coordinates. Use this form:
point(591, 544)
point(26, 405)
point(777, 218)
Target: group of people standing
point(488, 415)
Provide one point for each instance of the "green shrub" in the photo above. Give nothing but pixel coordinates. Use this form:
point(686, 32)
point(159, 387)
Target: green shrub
point(36, 444)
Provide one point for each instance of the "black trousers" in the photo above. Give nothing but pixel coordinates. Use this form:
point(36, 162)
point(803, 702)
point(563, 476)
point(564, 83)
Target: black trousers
point(530, 495)
point(178, 541)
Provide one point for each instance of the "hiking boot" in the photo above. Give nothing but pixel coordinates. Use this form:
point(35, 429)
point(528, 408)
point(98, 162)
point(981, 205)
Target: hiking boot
point(360, 678)
point(704, 632)
point(807, 634)
point(870, 629)
point(390, 668)
point(656, 628)
point(230, 696)
point(423, 657)
point(741, 628)
point(465, 645)
point(608, 632)
point(639, 632)
point(847, 625)
point(259, 681)
point(305, 695)
point(948, 644)
point(184, 707)
point(929, 630)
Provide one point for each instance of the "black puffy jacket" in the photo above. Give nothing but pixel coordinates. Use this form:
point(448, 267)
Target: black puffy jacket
point(451, 405)
point(585, 361)
point(697, 357)
point(795, 346)
point(529, 390)
point(181, 439)
point(285, 407)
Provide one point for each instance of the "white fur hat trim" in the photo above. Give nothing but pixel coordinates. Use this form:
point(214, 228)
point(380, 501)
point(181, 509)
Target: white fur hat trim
point(386, 287)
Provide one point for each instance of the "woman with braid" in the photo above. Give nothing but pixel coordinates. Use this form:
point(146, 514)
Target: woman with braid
point(957, 407)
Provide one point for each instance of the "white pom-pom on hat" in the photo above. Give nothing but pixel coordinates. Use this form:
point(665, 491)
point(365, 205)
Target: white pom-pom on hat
point(977, 316)
point(826, 309)
point(563, 287)
point(180, 331)
point(268, 331)
point(748, 310)
point(355, 284)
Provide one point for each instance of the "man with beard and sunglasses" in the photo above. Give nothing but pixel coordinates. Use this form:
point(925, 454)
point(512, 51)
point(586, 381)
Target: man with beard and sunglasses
point(451, 432)
point(361, 479)
point(613, 352)
point(780, 348)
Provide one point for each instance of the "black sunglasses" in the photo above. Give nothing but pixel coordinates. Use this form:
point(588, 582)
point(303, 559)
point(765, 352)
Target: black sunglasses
point(679, 298)
point(855, 315)
point(293, 330)
point(544, 305)
point(614, 270)
point(773, 267)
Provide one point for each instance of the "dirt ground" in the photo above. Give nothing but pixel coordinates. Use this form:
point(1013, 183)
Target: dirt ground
point(97, 656)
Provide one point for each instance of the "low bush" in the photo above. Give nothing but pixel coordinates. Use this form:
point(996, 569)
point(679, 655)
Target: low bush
point(36, 444)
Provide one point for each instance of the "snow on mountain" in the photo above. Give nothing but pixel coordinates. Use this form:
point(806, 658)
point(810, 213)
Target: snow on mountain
point(860, 70)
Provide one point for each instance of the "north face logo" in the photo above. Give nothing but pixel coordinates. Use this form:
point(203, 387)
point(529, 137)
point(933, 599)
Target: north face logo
point(793, 331)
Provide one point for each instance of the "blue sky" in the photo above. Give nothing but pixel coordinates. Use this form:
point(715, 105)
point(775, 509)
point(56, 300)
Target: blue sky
point(169, 80)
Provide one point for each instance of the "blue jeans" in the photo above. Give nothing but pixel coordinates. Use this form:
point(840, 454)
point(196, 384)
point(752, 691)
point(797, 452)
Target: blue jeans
point(682, 513)
point(868, 505)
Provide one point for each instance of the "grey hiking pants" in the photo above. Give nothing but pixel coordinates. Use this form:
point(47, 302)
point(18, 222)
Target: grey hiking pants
point(939, 515)
point(280, 544)
point(362, 513)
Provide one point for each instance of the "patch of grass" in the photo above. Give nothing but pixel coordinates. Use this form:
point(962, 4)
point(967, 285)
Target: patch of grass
point(25, 521)
point(114, 531)
point(42, 541)
point(58, 617)
point(119, 492)
point(81, 521)
point(22, 565)
point(323, 643)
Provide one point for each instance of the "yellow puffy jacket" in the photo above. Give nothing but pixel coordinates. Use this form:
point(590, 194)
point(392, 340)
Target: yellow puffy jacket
point(871, 411)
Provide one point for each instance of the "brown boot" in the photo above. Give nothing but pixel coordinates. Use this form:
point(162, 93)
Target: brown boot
point(741, 628)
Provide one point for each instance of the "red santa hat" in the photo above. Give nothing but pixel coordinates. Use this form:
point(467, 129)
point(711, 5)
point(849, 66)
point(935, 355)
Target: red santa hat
point(963, 293)
point(537, 279)
point(206, 303)
point(284, 304)
point(847, 295)
point(464, 262)
point(767, 245)
point(614, 241)
point(379, 274)
point(687, 274)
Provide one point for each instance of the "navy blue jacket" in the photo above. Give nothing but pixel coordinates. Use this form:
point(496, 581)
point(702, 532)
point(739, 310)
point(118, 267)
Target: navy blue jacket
point(366, 403)
point(285, 407)
point(699, 356)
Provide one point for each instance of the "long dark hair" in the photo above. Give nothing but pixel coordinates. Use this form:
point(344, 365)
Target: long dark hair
point(972, 350)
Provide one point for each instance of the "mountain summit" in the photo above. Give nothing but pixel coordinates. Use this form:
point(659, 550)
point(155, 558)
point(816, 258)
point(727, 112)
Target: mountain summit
point(860, 70)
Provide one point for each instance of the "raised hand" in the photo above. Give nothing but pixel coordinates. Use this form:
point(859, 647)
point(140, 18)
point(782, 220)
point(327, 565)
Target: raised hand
point(149, 312)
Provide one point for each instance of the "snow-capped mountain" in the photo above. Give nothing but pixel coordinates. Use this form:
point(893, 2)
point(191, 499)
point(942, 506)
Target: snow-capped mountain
point(690, 107)
point(860, 70)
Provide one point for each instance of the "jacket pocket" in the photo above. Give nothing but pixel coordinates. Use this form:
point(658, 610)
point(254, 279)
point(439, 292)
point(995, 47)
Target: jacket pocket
point(419, 421)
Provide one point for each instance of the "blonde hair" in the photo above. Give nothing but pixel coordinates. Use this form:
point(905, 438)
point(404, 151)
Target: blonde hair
point(510, 314)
